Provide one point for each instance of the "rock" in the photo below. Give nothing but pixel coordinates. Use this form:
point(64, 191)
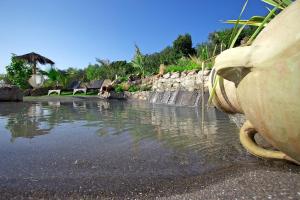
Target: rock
point(188, 81)
point(193, 72)
point(147, 81)
point(140, 95)
point(134, 77)
point(27, 92)
point(178, 80)
point(183, 74)
point(39, 91)
point(115, 82)
point(136, 82)
point(11, 93)
point(112, 95)
point(175, 86)
point(106, 82)
point(189, 84)
point(167, 75)
point(205, 72)
point(175, 75)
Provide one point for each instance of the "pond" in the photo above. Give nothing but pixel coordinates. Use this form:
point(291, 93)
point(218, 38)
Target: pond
point(112, 147)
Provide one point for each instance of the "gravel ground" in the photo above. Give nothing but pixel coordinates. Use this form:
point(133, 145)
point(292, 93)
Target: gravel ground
point(261, 180)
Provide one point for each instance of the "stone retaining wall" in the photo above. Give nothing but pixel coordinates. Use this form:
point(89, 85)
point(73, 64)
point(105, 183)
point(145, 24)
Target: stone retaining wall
point(186, 81)
point(169, 88)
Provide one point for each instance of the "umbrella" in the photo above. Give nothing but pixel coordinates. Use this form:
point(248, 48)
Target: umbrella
point(33, 58)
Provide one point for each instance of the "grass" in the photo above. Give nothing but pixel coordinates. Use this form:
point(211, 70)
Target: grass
point(183, 67)
point(176, 68)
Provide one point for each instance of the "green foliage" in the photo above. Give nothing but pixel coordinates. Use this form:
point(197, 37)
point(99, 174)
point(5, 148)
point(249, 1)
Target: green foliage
point(168, 56)
point(57, 77)
point(218, 41)
point(257, 21)
point(18, 73)
point(183, 64)
point(108, 70)
point(145, 88)
point(53, 74)
point(76, 74)
point(121, 68)
point(265, 21)
point(138, 61)
point(149, 64)
point(133, 88)
point(235, 28)
point(281, 4)
point(119, 88)
point(123, 79)
point(183, 45)
point(152, 63)
point(93, 72)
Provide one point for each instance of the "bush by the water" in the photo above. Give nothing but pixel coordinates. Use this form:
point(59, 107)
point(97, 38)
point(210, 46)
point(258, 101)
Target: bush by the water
point(119, 88)
point(133, 88)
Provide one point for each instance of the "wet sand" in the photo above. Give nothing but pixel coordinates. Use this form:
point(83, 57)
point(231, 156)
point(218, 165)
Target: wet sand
point(254, 181)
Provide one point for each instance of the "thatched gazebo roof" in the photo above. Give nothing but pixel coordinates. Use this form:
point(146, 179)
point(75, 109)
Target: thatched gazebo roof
point(33, 58)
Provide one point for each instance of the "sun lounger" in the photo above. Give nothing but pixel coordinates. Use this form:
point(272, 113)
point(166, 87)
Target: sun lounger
point(54, 91)
point(79, 90)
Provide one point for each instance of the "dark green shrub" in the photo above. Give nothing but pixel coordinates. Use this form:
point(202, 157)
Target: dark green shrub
point(133, 88)
point(123, 79)
point(119, 88)
point(183, 45)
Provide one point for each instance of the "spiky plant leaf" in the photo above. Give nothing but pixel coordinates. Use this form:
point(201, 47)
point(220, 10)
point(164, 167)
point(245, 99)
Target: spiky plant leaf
point(257, 31)
point(237, 23)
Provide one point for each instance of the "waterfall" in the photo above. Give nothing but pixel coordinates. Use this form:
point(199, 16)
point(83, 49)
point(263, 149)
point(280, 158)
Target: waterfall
point(178, 98)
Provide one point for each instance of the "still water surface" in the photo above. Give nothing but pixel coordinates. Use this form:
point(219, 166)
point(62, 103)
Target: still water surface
point(109, 144)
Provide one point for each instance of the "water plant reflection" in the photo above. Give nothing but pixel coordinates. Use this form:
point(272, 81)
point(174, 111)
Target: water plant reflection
point(178, 128)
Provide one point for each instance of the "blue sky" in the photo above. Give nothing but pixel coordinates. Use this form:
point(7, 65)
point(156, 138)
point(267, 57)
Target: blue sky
point(74, 32)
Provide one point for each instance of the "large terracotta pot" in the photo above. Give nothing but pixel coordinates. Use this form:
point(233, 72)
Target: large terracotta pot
point(266, 77)
point(225, 96)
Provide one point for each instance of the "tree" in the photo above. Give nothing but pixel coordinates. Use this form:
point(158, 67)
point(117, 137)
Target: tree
point(18, 72)
point(168, 56)
point(138, 61)
point(183, 45)
point(58, 77)
point(152, 63)
point(93, 72)
point(76, 74)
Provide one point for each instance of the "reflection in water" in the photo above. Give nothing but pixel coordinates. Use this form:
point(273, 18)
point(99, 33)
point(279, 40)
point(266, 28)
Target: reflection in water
point(112, 143)
point(174, 127)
